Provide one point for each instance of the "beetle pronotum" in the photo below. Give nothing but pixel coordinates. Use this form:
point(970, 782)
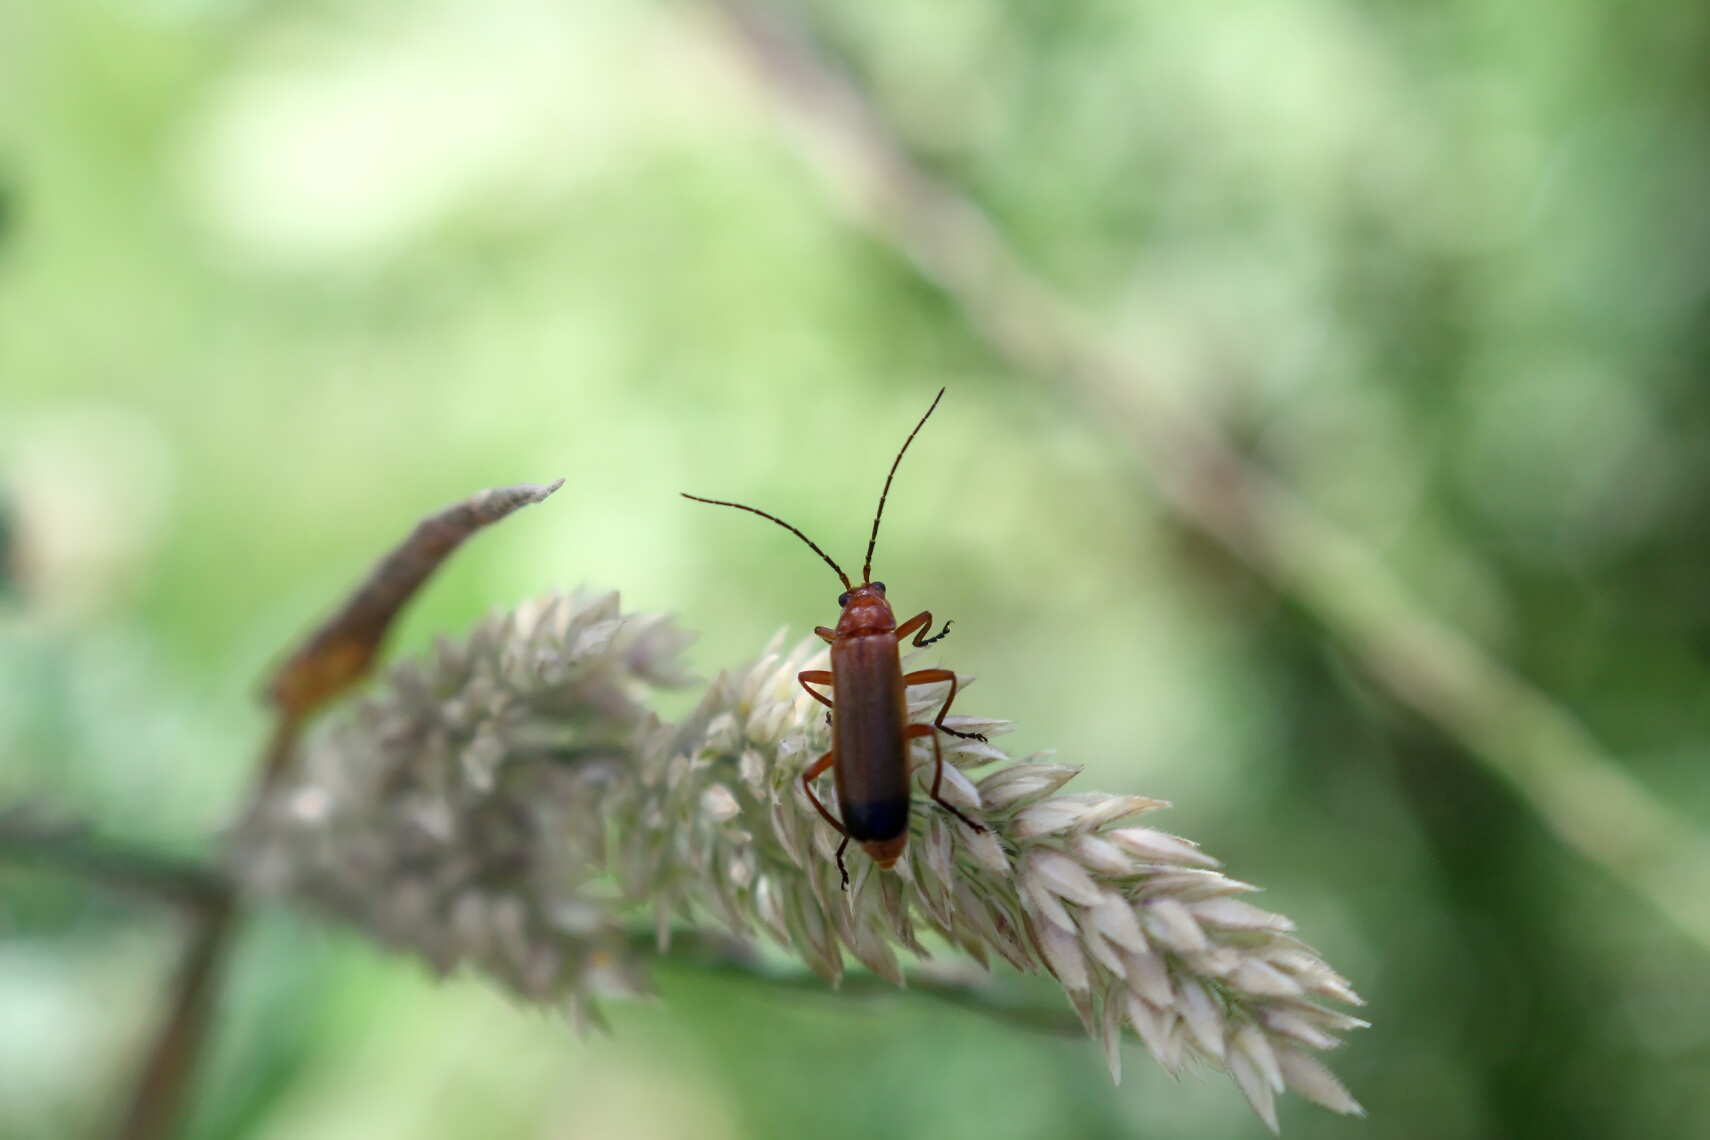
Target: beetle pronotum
point(870, 729)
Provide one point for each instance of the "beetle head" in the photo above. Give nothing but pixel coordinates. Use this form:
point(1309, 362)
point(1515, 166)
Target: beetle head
point(865, 610)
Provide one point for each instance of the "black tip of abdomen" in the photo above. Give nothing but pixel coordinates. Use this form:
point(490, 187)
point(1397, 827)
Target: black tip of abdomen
point(877, 819)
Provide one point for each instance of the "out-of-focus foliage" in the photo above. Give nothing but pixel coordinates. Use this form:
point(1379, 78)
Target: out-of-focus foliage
point(276, 279)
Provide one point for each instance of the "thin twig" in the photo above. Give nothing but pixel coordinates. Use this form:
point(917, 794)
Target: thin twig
point(211, 902)
point(72, 849)
point(1545, 755)
point(162, 1088)
point(718, 956)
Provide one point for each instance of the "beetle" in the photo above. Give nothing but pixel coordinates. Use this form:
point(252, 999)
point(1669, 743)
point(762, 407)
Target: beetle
point(870, 729)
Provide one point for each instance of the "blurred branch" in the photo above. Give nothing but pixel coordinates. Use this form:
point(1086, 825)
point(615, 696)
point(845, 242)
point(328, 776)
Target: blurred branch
point(25, 837)
point(70, 848)
point(1590, 803)
point(330, 661)
point(162, 1087)
point(12, 558)
point(714, 955)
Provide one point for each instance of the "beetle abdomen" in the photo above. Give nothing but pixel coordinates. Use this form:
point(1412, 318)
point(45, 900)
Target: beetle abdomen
point(867, 726)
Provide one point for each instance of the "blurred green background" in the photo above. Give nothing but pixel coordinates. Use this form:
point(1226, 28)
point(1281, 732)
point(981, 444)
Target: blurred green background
point(278, 278)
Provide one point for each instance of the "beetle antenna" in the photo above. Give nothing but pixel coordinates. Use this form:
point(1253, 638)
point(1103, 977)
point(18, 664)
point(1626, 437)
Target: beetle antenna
point(847, 585)
point(867, 568)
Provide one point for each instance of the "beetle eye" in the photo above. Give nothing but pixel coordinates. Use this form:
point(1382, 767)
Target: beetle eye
point(879, 586)
point(843, 599)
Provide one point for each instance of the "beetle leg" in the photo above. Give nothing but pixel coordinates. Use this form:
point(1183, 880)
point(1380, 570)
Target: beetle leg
point(921, 638)
point(814, 770)
point(816, 677)
point(918, 625)
point(938, 772)
point(826, 634)
point(933, 677)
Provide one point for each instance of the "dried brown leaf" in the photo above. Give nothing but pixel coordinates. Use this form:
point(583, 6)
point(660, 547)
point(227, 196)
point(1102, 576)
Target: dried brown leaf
point(342, 651)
